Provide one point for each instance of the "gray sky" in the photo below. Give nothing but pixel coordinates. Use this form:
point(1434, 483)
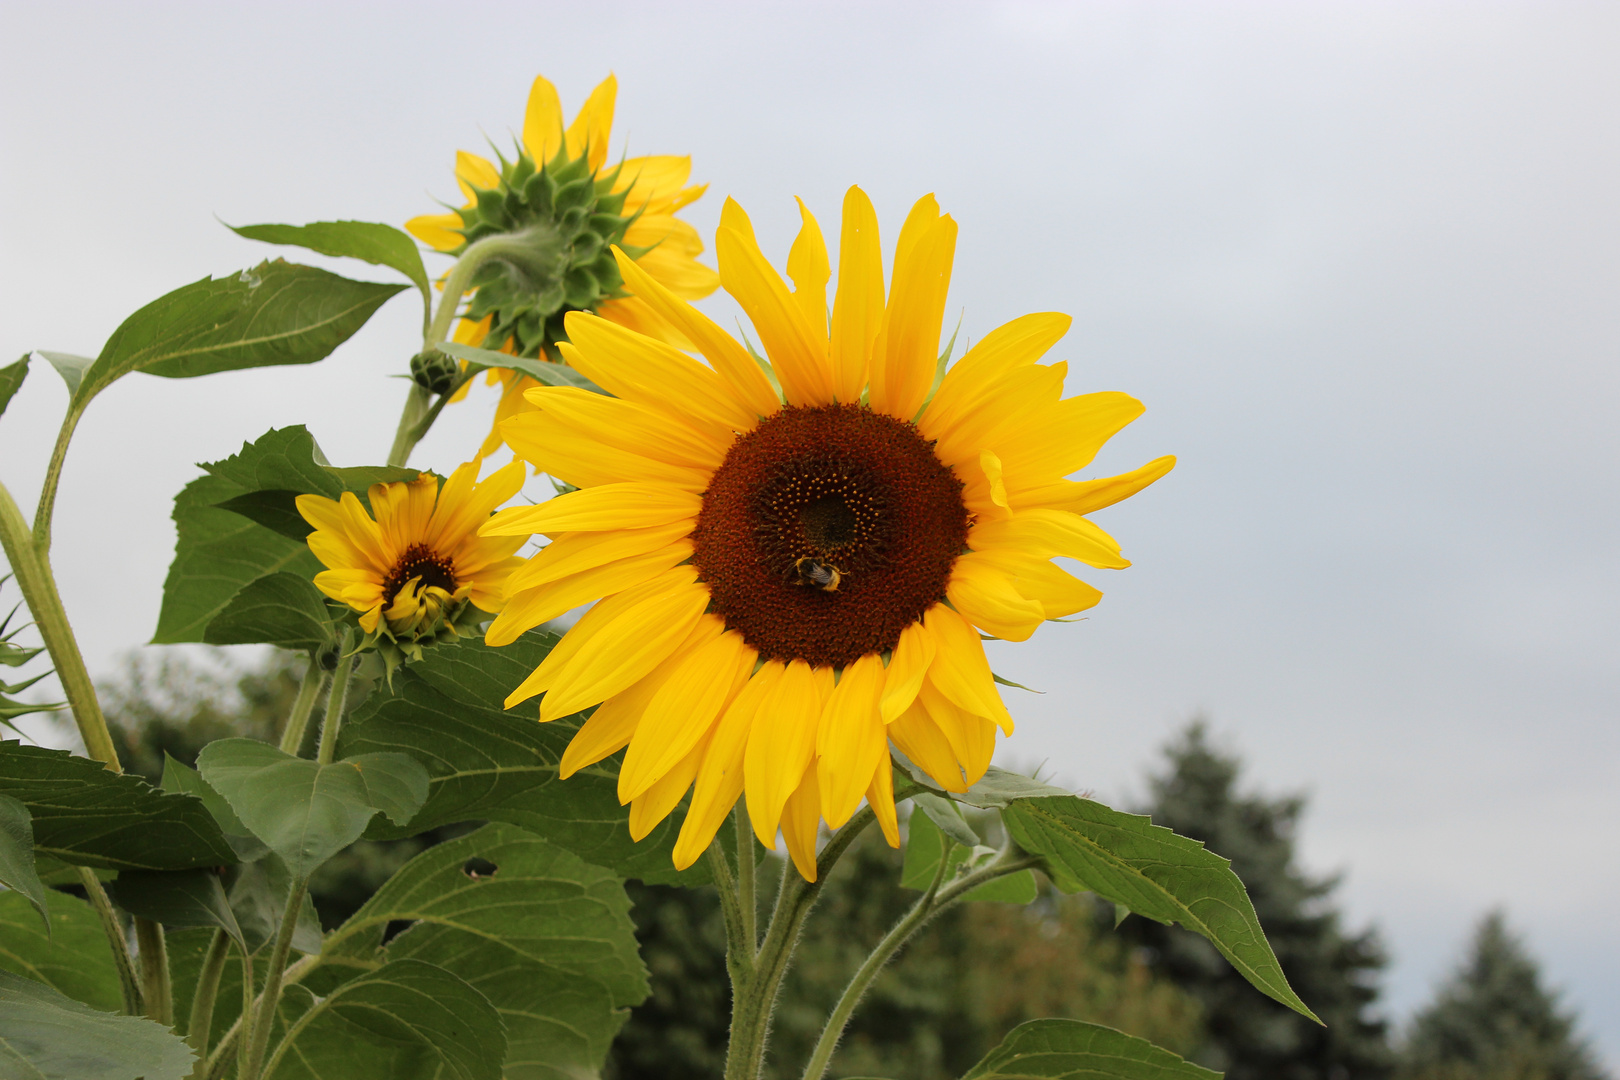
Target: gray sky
point(1360, 261)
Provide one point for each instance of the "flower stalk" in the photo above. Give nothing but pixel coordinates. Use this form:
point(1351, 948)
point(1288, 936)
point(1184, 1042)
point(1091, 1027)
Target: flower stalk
point(114, 929)
point(203, 997)
point(309, 688)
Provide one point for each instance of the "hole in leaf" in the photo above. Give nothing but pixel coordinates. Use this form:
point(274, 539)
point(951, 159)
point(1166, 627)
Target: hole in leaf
point(476, 868)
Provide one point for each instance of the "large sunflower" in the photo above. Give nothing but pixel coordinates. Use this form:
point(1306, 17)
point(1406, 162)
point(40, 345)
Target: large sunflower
point(560, 198)
point(794, 562)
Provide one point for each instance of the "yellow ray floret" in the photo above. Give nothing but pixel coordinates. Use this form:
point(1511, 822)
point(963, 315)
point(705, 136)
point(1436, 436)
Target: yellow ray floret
point(795, 558)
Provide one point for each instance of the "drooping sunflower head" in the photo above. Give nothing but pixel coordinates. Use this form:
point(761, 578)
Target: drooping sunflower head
point(417, 572)
point(797, 555)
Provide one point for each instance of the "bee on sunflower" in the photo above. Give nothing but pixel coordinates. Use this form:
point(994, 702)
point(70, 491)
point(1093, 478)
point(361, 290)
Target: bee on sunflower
point(557, 210)
point(793, 556)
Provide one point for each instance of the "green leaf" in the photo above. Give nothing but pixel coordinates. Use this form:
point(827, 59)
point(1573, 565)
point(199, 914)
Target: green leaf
point(45, 1036)
point(545, 936)
point(487, 764)
point(280, 609)
point(305, 811)
point(406, 1020)
point(925, 844)
point(70, 367)
point(17, 870)
point(549, 373)
point(945, 815)
point(998, 788)
point(178, 898)
point(11, 380)
point(85, 815)
point(1073, 1050)
point(239, 524)
point(276, 313)
point(258, 893)
point(377, 244)
point(73, 957)
point(178, 776)
point(1129, 860)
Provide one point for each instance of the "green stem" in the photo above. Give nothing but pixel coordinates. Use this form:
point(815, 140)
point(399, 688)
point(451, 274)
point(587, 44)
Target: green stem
point(227, 1042)
point(249, 1002)
point(747, 879)
point(292, 737)
point(156, 993)
point(53, 477)
point(32, 568)
point(934, 901)
point(739, 951)
point(202, 1000)
point(335, 700)
point(265, 1019)
point(114, 930)
point(751, 1010)
point(410, 429)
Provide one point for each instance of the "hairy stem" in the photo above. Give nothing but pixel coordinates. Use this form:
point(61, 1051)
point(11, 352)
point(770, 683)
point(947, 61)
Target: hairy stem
point(410, 429)
point(53, 477)
point(202, 1000)
point(114, 929)
point(296, 971)
point(32, 568)
point(266, 1015)
point(335, 700)
point(747, 875)
point(292, 736)
point(739, 951)
point(156, 993)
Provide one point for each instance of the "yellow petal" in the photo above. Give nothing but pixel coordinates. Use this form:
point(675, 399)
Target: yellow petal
point(1049, 533)
point(960, 669)
point(684, 710)
point(654, 178)
point(1085, 496)
point(920, 739)
point(574, 455)
point(1059, 593)
point(1063, 439)
point(591, 128)
point(986, 597)
point(858, 305)
point(972, 737)
point(641, 430)
point(720, 777)
point(441, 231)
point(903, 375)
point(972, 381)
point(598, 509)
point(807, 266)
point(465, 503)
point(528, 608)
point(652, 806)
point(850, 740)
point(913, 654)
point(573, 553)
point(880, 797)
point(748, 383)
point(542, 121)
point(734, 217)
point(991, 464)
point(780, 749)
point(474, 173)
point(797, 353)
point(801, 820)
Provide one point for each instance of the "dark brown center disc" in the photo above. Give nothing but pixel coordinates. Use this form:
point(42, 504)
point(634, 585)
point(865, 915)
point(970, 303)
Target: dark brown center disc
point(419, 562)
point(827, 531)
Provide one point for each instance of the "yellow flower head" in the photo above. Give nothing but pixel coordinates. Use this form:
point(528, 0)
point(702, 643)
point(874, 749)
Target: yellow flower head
point(794, 563)
point(419, 571)
point(568, 211)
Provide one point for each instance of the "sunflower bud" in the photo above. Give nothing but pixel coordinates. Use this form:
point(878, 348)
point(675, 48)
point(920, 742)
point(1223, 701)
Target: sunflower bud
point(434, 372)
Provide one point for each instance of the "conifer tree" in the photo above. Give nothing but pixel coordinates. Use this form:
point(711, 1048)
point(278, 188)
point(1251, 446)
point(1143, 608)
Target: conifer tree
point(1493, 1020)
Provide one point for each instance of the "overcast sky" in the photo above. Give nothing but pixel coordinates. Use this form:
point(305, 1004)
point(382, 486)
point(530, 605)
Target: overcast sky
point(1360, 261)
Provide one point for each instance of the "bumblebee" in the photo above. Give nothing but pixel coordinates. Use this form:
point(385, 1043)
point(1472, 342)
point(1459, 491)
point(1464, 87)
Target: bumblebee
point(812, 571)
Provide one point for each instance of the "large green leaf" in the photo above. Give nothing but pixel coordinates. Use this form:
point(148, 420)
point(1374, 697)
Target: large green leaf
point(407, 1020)
point(239, 524)
point(926, 844)
point(11, 380)
point(544, 935)
point(17, 854)
point(304, 811)
point(281, 609)
point(488, 764)
point(1153, 872)
point(45, 1036)
point(178, 776)
point(276, 313)
point(178, 898)
point(258, 894)
point(74, 957)
point(377, 244)
point(1073, 1050)
point(85, 815)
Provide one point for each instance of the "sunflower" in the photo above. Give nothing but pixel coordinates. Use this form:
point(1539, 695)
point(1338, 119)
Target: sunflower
point(794, 560)
point(569, 210)
point(419, 572)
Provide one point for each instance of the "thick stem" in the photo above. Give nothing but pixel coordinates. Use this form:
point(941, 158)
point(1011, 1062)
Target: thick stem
point(53, 477)
point(33, 571)
point(228, 1041)
point(156, 993)
point(739, 951)
point(335, 700)
point(114, 929)
point(292, 736)
point(266, 1016)
point(410, 429)
point(249, 1002)
point(747, 879)
point(202, 1000)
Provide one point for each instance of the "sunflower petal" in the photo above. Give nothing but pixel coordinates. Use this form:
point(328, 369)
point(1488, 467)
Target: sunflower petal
point(960, 669)
point(972, 381)
point(986, 597)
point(780, 749)
point(880, 797)
point(797, 352)
point(919, 738)
point(598, 509)
point(801, 821)
point(858, 305)
point(542, 121)
point(529, 608)
point(850, 740)
point(640, 369)
point(904, 373)
point(652, 806)
point(912, 655)
point(684, 709)
point(721, 776)
point(1086, 496)
point(808, 267)
point(591, 128)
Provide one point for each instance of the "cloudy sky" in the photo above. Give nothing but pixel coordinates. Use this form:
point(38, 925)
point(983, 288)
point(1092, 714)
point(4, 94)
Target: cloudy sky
point(1361, 262)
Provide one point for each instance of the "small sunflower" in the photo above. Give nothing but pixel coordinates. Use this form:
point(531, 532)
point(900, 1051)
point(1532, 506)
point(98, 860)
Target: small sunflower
point(419, 572)
point(794, 560)
point(570, 211)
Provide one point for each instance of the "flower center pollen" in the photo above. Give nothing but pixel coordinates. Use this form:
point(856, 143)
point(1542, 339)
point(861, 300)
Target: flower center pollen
point(419, 562)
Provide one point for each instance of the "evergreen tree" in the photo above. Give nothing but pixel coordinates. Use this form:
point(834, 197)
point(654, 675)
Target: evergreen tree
point(1493, 1020)
point(1248, 1036)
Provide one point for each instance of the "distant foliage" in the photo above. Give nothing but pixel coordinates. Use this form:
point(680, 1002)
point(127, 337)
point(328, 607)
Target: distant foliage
point(1493, 1020)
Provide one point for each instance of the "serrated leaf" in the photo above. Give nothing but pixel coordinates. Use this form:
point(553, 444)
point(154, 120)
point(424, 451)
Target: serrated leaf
point(377, 244)
point(926, 844)
point(281, 609)
point(48, 1036)
point(487, 764)
point(544, 371)
point(70, 367)
point(73, 957)
point(1074, 1050)
point(304, 811)
point(85, 815)
point(178, 898)
point(404, 1021)
point(11, 380)
point(17, 870)
point(1125, 858)
point(276, 313)
point(180, 777)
